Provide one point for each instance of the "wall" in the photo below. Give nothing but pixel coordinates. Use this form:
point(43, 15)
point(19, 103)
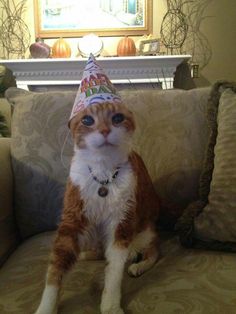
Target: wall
point(219, 28)
point(110, 43)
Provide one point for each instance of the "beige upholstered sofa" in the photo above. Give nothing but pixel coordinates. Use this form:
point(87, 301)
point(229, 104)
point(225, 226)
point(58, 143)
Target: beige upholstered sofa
point(172, 137)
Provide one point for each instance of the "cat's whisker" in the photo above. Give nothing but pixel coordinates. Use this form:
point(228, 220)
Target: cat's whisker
point(63, 148)
point(76, 172)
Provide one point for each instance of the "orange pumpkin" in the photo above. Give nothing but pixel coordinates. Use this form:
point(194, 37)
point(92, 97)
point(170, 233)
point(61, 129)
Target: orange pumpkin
point(126, 47)
point(61, 49)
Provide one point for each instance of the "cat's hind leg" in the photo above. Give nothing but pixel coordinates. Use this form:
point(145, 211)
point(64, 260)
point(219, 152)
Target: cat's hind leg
point(149, 259)
point(150, 255)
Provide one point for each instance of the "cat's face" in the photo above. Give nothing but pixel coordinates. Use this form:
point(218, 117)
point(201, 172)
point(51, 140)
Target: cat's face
point(102, 126)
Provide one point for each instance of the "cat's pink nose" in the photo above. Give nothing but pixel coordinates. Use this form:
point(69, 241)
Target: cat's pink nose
point(105, 132)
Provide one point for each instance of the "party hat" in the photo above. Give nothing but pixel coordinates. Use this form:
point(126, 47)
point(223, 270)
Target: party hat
point(95, 88)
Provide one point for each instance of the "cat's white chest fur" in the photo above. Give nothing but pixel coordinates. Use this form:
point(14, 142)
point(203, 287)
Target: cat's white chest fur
point(121, 189)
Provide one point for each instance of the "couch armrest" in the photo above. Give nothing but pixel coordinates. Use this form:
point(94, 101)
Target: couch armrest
point(6, 111)
point(8, 230)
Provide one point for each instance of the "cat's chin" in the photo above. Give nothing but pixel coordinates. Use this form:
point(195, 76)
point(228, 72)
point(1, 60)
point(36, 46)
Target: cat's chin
point(108, 149)
point(106, 144)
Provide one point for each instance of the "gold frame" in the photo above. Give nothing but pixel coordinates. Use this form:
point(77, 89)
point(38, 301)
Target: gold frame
point(135, 31)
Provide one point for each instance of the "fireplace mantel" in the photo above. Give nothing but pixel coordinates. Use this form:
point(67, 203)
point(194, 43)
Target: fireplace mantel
point(121, 70)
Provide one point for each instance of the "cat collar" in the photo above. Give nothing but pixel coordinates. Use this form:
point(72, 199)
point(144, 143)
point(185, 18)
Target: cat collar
point(103, 190)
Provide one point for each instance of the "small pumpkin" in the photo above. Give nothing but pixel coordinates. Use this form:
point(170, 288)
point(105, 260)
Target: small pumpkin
point(61, 49)
point(126, 47)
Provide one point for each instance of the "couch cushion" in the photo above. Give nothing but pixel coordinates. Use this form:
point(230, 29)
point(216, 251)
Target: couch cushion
point(183, 281)
point(212, 220)
point(171, 138)
point(39, 157)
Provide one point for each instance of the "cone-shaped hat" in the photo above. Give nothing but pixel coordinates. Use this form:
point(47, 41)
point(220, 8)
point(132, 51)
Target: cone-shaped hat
point(95, 87)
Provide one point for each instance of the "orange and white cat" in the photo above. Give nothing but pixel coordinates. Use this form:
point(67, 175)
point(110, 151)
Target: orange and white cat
point(109, 205)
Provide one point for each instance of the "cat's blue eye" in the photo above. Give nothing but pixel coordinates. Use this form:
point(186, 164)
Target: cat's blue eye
point(118, 118)
point(87, 120)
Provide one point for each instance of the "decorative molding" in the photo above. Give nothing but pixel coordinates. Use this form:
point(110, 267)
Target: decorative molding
point(138, 69)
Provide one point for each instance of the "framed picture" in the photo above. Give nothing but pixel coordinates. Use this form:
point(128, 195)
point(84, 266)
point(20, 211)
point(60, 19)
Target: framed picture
point(74, 18)
point(149, 47)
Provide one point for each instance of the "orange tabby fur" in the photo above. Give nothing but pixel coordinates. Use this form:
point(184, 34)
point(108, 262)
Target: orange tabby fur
point(136, 229)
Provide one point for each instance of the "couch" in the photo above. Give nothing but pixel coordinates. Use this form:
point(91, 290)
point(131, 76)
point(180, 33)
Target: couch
point(172, 135)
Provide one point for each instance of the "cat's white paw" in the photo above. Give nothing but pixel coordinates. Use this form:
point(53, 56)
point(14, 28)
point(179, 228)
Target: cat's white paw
point(49, 301)
point(112, 310)
point(41, 310)
point(136, 269)
point(109, 306)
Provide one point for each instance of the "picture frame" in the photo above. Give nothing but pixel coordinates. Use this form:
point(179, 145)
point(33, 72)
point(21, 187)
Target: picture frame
point(149, 47)
point(76, 18)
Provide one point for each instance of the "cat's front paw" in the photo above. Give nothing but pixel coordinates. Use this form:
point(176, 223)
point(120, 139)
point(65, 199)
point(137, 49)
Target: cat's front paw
point(112, 310)
point(43, 310)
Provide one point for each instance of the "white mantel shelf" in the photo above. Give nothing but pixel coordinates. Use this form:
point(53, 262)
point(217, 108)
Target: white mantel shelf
point(120, 70)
